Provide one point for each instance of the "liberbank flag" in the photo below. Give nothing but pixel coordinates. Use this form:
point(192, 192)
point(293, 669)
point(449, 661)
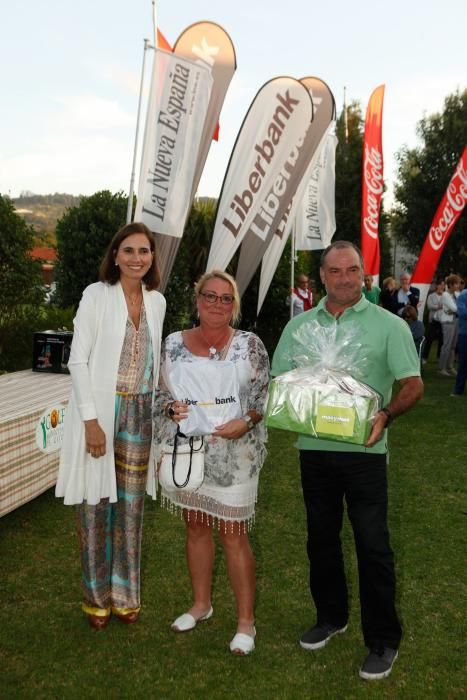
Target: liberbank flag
point(314, 220)
point(372, 182)
point(449, 210)
point(178, 102)
point(255, 246)
point(261, 166)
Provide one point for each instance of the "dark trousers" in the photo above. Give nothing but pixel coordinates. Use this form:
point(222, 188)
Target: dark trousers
point(434, 332)
point(461, 364)
point(328, 477)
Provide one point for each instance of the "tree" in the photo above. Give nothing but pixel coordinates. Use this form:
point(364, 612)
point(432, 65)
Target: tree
point(83, 234)
point(189, 265)
point(20, 286)
point(423, 176)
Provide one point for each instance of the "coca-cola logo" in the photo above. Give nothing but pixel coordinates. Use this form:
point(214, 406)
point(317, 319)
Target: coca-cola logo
point(373, 178)
point(454, 202)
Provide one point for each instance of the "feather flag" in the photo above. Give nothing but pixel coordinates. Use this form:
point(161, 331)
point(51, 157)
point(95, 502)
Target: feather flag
point(372, 182)
point(444, 220)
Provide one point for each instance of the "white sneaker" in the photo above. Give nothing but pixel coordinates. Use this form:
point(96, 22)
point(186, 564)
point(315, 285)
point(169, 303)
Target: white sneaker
point(444, 373)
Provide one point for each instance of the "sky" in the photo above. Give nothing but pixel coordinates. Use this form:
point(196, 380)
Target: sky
point(70, 76)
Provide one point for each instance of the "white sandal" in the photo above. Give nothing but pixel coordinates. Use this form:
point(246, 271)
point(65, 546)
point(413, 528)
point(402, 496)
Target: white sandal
point(187, 622)
point(243, 644)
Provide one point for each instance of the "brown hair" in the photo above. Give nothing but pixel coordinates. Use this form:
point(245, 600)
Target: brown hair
point(110, 272)
point(452, 279)
point(221, 275)
point(409, 312)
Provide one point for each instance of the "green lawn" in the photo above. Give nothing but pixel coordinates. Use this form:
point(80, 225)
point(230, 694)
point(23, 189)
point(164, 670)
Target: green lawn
point(47, 649)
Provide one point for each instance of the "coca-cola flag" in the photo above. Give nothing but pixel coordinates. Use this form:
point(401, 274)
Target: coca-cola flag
point(208, 45)
point(256, 242)
point(372, 182)
point(177, 107)
point(261, 167)
point(449, 210)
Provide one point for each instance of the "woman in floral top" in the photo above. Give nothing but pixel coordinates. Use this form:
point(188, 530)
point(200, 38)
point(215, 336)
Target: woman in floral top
point(234, 454)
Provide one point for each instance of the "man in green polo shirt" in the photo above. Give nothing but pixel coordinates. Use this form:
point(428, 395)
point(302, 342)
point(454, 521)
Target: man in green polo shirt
point(332, 470)
point(371, 291)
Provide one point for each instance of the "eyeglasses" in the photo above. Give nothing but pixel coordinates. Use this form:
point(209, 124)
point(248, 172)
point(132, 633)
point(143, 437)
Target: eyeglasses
point(211, 298)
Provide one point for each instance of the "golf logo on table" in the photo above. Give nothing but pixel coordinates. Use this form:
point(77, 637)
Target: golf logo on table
point(49, 430)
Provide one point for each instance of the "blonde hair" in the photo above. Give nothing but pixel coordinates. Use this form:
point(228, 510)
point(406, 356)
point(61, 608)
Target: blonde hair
point(221, 275)
point(387, 281)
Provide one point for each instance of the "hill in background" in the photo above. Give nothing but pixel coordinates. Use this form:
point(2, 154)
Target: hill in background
point(42, 212)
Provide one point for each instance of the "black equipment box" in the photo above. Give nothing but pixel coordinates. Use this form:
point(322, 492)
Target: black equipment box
point(51, 351)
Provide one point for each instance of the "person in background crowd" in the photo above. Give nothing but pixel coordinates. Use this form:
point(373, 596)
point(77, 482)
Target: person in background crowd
point(406, 294)
point(461, 376)
point(434, 304)
point(301, 296)
point(114, 367)
point(448, 318)
point(410, 315)
point(234, 454)
point(388, 296)
point(371, 291)
point(332, 472)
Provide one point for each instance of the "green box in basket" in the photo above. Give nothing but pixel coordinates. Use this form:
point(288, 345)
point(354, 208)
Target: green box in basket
point(329, 405)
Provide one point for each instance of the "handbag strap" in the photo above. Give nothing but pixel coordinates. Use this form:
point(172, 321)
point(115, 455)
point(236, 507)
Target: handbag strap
point(174, 457)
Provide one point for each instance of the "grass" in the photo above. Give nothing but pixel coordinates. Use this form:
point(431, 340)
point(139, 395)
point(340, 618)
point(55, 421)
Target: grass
point(48, 651)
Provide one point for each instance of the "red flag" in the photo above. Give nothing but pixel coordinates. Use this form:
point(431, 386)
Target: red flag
point(162, 42)
point(449, 210)
point(372, 181)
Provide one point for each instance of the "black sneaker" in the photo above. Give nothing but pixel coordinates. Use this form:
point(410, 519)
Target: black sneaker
point(319, 635)
point(378, 664)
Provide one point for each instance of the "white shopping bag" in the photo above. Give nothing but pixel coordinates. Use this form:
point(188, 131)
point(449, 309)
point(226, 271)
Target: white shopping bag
point(211, 390)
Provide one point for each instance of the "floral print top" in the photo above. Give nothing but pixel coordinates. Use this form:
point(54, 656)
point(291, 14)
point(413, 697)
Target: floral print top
point(228, 463)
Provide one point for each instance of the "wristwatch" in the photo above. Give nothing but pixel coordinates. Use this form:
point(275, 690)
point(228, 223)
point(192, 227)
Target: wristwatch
point(389, 416)
point(248, 420)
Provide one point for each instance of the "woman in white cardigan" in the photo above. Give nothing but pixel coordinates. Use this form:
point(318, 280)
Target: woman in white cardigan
point(114, 367)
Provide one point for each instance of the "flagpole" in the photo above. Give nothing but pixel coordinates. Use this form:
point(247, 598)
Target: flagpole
point(292, 266)
point(154, 20)
point(129, 210)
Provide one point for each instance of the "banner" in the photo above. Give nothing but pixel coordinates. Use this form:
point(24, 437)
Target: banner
point(208, 45)
point(372, 183)
point(315, 220)
point(177, 107)
point(449, 210)
point(262, 166)
point(316, 206)
point(254, 246)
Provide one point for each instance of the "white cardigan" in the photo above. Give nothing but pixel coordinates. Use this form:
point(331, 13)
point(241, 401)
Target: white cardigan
point(99, 331)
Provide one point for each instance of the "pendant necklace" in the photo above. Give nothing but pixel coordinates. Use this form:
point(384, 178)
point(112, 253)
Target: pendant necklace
point(213, 350)
point(133, 301)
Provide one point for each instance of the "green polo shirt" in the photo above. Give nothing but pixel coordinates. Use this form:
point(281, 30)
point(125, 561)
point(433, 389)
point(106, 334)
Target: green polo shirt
point(387, 344)
point(372, 294)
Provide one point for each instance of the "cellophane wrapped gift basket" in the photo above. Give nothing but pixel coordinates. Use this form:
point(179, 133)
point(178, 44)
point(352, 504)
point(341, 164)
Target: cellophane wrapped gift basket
point(323, 397)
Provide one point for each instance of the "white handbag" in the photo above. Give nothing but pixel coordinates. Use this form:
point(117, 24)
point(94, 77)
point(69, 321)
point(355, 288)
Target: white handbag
point(182, 466)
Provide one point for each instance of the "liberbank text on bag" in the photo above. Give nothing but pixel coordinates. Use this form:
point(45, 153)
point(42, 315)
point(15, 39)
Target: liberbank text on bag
point(211, 390)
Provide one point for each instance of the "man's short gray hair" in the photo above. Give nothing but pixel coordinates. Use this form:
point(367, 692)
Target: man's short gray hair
point(338, 245)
